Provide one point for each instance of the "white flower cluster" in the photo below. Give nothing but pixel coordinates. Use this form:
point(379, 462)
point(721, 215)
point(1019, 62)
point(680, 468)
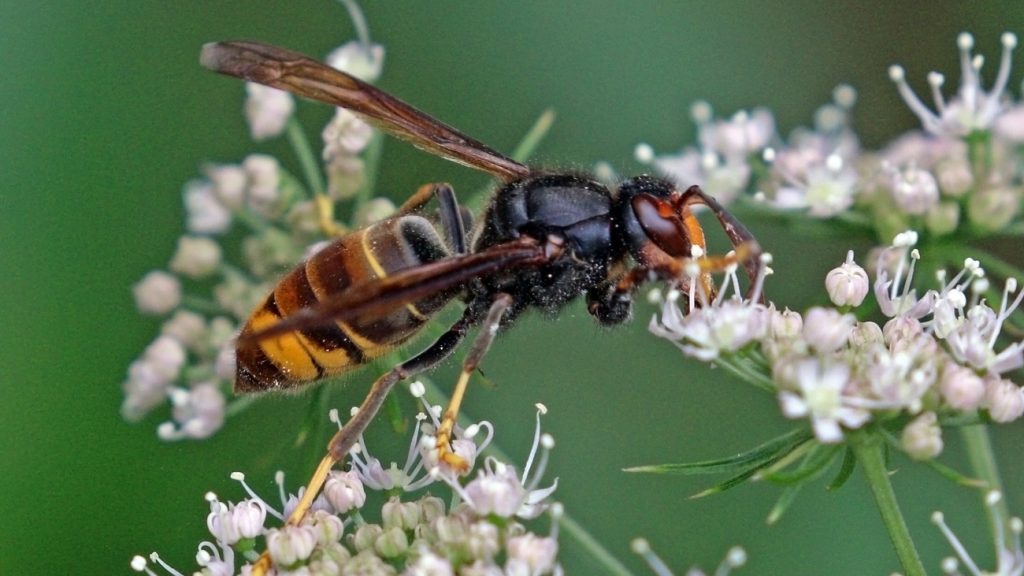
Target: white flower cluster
point(478, 533)
point(965, 171)
point(214, 280)
point(936, 355)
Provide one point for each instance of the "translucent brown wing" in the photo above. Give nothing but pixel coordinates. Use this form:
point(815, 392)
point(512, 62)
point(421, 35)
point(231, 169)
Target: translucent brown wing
point(381, 296)
point(301, 75)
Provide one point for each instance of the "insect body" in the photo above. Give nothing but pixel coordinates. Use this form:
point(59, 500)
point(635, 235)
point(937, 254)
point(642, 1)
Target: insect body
point(368, 255)
point(544, 240)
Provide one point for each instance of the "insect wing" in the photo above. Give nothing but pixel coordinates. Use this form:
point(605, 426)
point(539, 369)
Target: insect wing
point(378, 297)
point(301, 75)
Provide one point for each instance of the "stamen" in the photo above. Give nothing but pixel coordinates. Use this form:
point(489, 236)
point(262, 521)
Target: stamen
point(240, 478)
point(642, 548)
point(927, 117)
point(936, 80)
point(279, 480)
point(155, 558)
point(734, 558)
point(939, 520)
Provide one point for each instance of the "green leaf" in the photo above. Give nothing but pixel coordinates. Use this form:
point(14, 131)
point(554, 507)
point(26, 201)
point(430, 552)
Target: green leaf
point(730, 483)
point(782, 504)
point(955, 476)
point(819, 459)
point(849, 463)
point(747, 462)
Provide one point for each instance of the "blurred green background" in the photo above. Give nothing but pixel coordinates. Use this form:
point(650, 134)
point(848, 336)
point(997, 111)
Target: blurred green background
point(105, 113)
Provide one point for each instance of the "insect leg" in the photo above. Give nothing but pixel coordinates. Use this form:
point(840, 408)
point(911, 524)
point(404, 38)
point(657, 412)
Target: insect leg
point(484, 338)
point(345, 438)
point(451, 216)
point(747, 248)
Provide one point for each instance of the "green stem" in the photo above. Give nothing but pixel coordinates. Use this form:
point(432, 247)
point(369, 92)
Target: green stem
point(983, 463)
point(737, 368)
point(308, 160)
point(577, 532)
point(867, 447)
point(371, 160)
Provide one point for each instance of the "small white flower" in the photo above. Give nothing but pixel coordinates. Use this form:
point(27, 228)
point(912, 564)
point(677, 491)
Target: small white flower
point(264, 176)
point(229, 182)
point(823, 184)
point(267, 110)
point(743, 134)
point(186, 327)
point(848, 284)
point(723, 178)
point(157, 293)
point(196, 257)
point(198, 413)
point(345, 135)
point(820, 385)
point(972, 108)
point(205, 212)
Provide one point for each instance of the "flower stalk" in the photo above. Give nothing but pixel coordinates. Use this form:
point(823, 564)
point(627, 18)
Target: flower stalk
point(868, 449)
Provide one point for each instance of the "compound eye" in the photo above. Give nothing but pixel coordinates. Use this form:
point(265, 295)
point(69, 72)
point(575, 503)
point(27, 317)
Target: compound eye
point(662, 224)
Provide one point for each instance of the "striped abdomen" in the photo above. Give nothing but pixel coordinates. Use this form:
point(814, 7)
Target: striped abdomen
point(300, 357)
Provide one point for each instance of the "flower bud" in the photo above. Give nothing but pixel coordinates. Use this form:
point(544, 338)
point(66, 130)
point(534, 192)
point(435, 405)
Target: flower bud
point(196, 257)
point(404, 515)
point(360, 60)
point(848, 284)
point(431, 508)
point(157, 293)
point(206, 214)
point(943, 218)
point(866, 334)
point(915, 190)
point(374, 210)
point(229, 181)
point(344, 491)
point(826, 330)
point(535, 553)
point(954, 177)
point(922, 438)
point(961, 388)
point(1004, 399)
point(264, 189)
point(249, 516)
point(267, 110)
point(901, 331)
point(329, 527)
point(786, 324)
point(392, 542)
point(366, 535)
point(186, 327)
point(291, 544)
point(992, 209)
